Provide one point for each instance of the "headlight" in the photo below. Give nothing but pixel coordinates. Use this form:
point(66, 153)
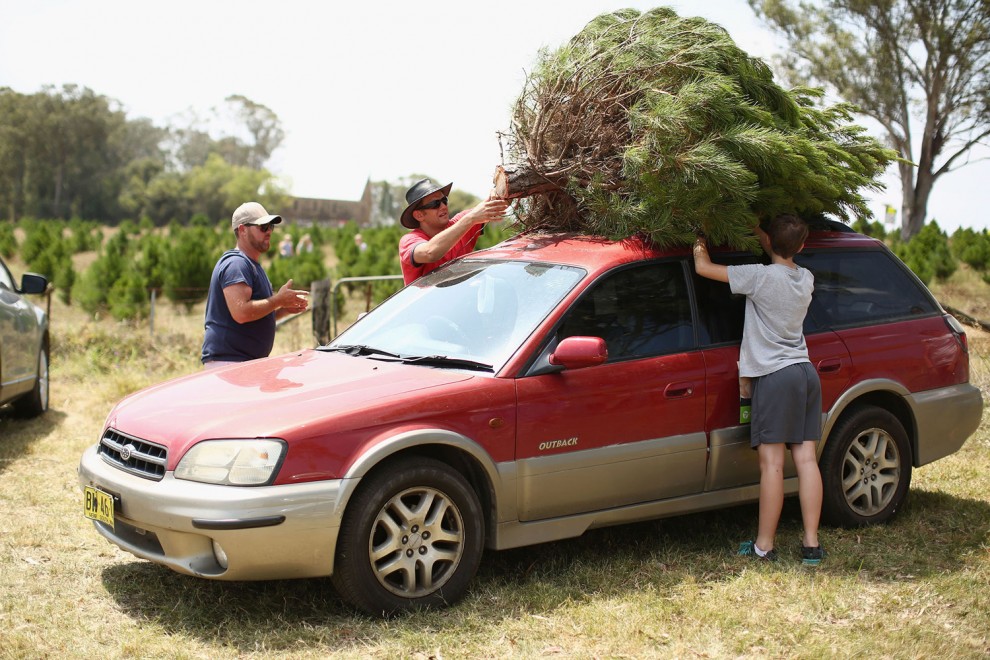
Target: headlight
point(232, 462)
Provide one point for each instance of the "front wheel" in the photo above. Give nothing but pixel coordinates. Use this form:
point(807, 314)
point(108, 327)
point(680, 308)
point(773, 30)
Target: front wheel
point(866, 468)
point(412, 537)
point(35, 402)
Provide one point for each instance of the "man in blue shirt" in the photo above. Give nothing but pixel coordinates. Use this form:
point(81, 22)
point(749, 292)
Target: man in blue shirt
point(241, 309)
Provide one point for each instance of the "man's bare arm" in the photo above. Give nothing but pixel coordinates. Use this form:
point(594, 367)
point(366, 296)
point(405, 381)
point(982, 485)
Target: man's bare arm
point(244, 310)
point(433, 250)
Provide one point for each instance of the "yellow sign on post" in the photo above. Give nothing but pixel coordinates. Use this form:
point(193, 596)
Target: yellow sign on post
point(889, 215)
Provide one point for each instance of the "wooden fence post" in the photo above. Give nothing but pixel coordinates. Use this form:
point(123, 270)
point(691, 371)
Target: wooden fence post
point(319, 302)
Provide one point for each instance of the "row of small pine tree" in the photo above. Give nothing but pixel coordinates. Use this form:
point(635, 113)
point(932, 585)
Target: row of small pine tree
point(176, 261)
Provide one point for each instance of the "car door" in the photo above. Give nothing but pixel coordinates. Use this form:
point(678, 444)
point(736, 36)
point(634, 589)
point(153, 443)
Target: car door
point(19, 339)
point(627, 431)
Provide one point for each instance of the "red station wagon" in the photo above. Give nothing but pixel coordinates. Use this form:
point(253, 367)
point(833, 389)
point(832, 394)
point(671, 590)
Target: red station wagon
point(526, 393)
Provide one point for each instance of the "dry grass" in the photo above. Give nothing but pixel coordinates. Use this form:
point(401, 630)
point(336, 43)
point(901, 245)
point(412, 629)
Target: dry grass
point(917, 587)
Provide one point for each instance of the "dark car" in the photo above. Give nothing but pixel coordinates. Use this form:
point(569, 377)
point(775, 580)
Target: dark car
point(526, 393)
point(23, 345)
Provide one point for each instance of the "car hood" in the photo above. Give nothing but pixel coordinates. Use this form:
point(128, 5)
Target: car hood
point(273, 397)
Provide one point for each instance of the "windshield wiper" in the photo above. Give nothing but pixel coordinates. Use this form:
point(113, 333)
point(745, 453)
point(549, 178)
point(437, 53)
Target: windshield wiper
point(446, 361)
point(358, 349)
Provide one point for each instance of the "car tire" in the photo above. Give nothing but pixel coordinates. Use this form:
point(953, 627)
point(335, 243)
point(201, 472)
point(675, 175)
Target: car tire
point(35, 402)
point(411, 538)
point(866, 468)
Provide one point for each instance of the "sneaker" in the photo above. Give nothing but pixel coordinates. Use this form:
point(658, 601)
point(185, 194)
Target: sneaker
point(812, 556)
point(748, 549)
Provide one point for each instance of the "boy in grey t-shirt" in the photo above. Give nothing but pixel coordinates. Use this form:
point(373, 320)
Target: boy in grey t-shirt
point(786, 392)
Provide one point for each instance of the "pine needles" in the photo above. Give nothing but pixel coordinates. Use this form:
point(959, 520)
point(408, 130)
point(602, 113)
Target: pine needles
point(655, 124)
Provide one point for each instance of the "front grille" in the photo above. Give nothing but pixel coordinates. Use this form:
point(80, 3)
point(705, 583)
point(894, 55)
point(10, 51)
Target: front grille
point(143, 458)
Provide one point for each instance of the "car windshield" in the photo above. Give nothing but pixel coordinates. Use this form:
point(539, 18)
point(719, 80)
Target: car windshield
point(473, 314)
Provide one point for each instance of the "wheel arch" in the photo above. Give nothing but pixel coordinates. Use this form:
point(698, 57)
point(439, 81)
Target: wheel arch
point(888, 395)
point(454, 449)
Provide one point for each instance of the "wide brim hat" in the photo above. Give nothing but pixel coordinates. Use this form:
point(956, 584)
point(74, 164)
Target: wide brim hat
point(252, 213)
point(414, 195)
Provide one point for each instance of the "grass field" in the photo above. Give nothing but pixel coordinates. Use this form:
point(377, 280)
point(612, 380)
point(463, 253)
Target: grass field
point(916, 588)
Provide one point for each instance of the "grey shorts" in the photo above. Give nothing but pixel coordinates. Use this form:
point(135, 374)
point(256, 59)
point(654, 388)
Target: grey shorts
point(787, 406)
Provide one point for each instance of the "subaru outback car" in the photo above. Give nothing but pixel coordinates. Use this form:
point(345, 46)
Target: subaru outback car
point(525, 393)
point(23, 345)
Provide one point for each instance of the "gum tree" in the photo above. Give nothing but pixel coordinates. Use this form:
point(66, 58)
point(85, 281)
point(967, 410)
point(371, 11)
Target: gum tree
point(918, 67)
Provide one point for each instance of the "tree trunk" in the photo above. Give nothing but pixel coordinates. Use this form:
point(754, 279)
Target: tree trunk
point(57, 201)
point(518, 180)
point(914, 217)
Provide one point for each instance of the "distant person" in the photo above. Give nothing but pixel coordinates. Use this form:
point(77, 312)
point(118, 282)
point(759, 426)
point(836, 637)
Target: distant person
point(786, 391)
point(359, 242)
point(240, 308)
point(436, 239)
point(305, 245)
point(285, 247)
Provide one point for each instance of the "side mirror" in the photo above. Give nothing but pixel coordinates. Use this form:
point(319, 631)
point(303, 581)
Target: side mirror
point(32, 283)
point(580, 352)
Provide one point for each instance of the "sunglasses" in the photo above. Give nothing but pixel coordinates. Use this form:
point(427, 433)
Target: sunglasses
point(267, 227)
point(435, 204)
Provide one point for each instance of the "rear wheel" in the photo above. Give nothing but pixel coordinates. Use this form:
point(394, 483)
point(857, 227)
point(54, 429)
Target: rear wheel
point(412, 537)
point(866, 468)
point(35, 402)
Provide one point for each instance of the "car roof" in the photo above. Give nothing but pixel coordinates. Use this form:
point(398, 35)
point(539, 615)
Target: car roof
point(595, 254)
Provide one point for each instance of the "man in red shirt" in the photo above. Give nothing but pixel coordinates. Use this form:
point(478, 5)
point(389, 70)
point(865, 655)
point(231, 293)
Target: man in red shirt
point(436, 239)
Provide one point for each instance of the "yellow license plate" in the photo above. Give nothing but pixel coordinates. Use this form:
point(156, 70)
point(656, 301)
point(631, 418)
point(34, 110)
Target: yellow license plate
point(98, 505)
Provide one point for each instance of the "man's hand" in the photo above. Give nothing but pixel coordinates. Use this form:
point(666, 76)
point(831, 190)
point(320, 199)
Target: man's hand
point(292, 301)
point(489, 210)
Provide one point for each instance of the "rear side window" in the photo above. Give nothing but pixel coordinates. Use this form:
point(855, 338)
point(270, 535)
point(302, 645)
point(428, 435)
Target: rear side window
point(862, 287)
point(639, 312)
point(721, 312)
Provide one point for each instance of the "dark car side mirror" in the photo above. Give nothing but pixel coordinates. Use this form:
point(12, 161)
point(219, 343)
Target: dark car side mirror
point(579, 352)
point(33, 283)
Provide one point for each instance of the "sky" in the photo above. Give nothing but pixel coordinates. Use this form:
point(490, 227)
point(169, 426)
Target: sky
point(373, 89)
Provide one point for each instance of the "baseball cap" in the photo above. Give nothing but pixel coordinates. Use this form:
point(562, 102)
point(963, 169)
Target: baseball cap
point(252, 213)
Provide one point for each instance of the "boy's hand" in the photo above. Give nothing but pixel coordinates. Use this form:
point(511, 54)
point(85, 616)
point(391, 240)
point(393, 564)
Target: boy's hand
point(703, 265)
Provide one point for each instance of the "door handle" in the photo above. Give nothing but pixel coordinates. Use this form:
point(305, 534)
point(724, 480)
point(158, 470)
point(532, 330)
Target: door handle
point(678, 390)
point(829, 366)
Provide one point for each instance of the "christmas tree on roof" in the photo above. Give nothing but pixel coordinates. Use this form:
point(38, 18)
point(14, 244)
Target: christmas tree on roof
point(650, 123)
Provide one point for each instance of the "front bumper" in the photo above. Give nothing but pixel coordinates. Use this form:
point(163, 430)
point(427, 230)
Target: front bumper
point(267, 533)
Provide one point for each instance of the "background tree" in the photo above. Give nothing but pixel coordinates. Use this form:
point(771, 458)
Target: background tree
point(65, 152)
point(91, 289)
point(242, 132)
point(13, 151)
point(192, 252)
point(928, 255)
point(262, 124)
point(905, 63)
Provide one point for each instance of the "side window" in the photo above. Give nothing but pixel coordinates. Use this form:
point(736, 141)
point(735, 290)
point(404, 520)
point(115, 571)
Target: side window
point(720, 312)
point(858, 287)
point(640, 311)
